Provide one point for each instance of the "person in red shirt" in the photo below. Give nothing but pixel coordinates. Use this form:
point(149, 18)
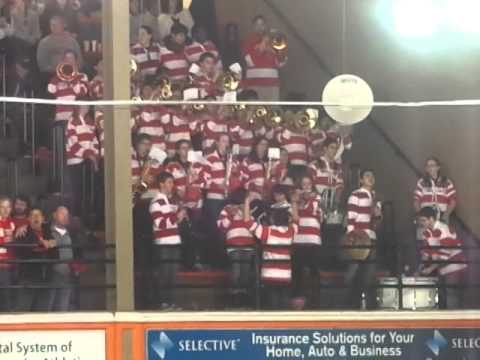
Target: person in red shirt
point(260, 28)
point(7, 229)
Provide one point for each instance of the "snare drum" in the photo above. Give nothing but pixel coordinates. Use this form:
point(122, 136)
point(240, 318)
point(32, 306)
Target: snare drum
point(420, 298)
point(387, 293)
point(414, 297)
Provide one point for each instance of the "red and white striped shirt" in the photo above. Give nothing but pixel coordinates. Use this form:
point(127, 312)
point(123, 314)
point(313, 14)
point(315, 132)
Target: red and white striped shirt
point(82, 139)
point(147, 59)
point(7, 229)
point(360, 209)
point(438, 194)
point(138, 165)
point(100, 127)
point(317, 137)
point(442, 235)
point(188, 191)
point(149, 121)
point(243, 135)
point(96, 88)
point(296, 145)
point(263, 68)
point(211, 129)
point(63, 90)
point(165, 225)
point(176, 63)
point(276, 254)
point(344, 141)
point(215, 175)
point(326, 175)
point(237, 233)
point(253, 173)
point(206, 84)
point(196, 49)
point(310, 222)
point(177, 127)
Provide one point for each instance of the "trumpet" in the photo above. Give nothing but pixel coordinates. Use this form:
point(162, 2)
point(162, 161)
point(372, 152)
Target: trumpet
point(163, 91)
point(228, 81)
point(66, 72)
point(279, 41)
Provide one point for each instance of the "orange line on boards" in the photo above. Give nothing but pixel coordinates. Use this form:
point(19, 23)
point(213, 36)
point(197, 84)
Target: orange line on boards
point(313, 325)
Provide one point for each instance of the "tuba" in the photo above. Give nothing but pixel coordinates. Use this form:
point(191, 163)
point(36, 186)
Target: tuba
point(302, 122)
point(66, 72)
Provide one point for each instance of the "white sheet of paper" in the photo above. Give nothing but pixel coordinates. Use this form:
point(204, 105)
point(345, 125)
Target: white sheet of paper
point(274, 153)
point(191, 94)
point(158, 154)
point(236, 68)
point(195, 156)
point(230, 96)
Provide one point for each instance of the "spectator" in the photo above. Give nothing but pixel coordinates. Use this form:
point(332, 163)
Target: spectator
point(171, 12)
point(146, 52)
point(62, 275)
point(21, 210)
point(51, 49)
point(24, 26)
point(66, 9)
point(172, 56)
point(231, 45)
point(90, 25)
point(36, 244)
point(7, 229)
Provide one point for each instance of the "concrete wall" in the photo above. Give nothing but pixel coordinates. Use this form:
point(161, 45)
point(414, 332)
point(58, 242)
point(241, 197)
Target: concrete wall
point(396, 70)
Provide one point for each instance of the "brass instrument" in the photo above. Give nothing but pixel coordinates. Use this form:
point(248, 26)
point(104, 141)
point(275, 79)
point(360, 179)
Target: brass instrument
point(279, 41)
point(66, 72)
point(228, 81)
point(273, 119)
point(163, 91)
point(141, 187)
point(303, 121)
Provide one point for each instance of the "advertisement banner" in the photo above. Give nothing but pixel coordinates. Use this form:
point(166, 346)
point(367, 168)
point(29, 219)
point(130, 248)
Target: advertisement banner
point(53, 345)
point(404, 344)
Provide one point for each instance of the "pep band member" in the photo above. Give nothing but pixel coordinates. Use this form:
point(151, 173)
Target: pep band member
point(362, 209)
point(167, 218)
point(435, 235)
point(435, 190)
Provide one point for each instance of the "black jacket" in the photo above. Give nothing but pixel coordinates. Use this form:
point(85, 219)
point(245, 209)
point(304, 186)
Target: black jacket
point(30, 249)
